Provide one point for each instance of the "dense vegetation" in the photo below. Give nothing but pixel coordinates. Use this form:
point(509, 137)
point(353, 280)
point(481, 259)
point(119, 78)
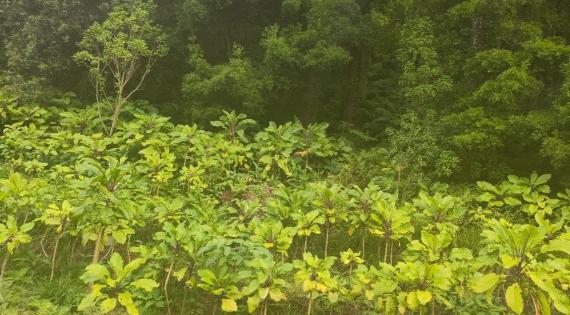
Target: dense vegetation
point(284, 157)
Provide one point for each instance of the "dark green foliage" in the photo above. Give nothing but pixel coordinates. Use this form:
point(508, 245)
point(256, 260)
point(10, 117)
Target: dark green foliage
point(302, 168)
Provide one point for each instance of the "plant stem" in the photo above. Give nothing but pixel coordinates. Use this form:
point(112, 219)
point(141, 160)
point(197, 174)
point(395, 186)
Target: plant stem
point(391, 248)
point(398, 183)
point(327, 238)
point(166, 285)
point(309, 307)
point(265, 307)
point(305, 247)
point(363, 242)
point(183, 300)
point(386, 250)
point(97, 249)
point(2, 271)
point(129, 248)
point(53, 256)
point(72, 251)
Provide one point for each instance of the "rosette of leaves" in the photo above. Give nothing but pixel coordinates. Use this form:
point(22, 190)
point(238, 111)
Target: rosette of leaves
point(528, 266)
point(58, 217)
point(391, 223)
point(275, 146)
point(223, 283)
point(273, 235)
point(438, 209)
point(115, 285)
point(234, 125)
point(359, 209)
point(374, 287)
point(430, 247)
point(308, 224)
point(332, 201)
point(315, 278)
point(422, 283)
point(13, 235)
point(314, 142)
point(497, 196)
point(269, 283)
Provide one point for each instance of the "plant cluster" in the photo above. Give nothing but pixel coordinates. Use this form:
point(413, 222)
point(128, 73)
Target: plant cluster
point(163, 218)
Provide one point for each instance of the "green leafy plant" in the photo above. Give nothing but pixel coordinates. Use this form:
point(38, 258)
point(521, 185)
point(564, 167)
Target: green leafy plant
point(115, 285)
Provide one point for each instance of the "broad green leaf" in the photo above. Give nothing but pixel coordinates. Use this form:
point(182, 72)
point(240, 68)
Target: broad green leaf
point(108, 305)
point(514, 299)
point(423, 297)
point(145, 284)
point(86, 302)
point(508, 261)
point(132, 266)
point(333, 297)
point(253, 303)
point(276, 294)
point(542, 179)
point(558, 245)
point(126, 299)
point(486, 186)
point(544, 304)
point(412, 300)
point(95, 272)
point(120, 236)
point(485, 283)
point(116, 264)
point(207, 276)
point(512, 201)
point(229, 305)
point(263, 292)
point(26, 227)
point(179, 274)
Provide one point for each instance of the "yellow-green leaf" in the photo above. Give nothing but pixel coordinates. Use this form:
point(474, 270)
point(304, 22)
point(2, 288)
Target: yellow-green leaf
point(108, 305)
point(229, 305)
point(544, 304)
point(333, 297)
point(145, 284)
point(508, 261)
point(86, 302)
point(412, 300)
point(485, 283)
point(423, 297)
point(126, 299)
point(179, 274)
point(276, 294)
point(252, 303)
point(514, 298)
point(369, 294)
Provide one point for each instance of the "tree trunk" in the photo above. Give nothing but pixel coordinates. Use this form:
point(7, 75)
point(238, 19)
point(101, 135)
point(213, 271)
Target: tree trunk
point(358, 84)
point(476, 25)
point(311, 99)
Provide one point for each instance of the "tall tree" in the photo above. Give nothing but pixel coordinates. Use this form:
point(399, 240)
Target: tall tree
point(122, 49)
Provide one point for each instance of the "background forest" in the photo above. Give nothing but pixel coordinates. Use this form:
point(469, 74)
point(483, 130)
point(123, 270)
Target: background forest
point(484, 83)
point(285, 156)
